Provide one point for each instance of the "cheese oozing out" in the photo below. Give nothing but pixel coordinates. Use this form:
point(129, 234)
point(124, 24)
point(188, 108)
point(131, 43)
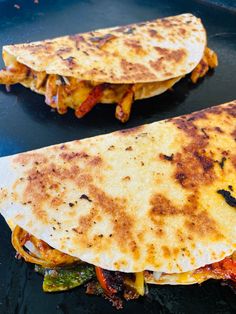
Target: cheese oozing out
point(63, 92)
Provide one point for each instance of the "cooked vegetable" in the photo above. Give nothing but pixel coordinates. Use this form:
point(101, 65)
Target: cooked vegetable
point(41, 78)
point(222, 270)
point(136, 282)
point(94, 288)
point(209, 60)
point(226, 268)
point(19, 238)
point(61, 279)
point(48, 256)
point(92, 99)
point(51, 90)
point(123, 108)
point(60, 100)
point(13, 74)
point(110, 281)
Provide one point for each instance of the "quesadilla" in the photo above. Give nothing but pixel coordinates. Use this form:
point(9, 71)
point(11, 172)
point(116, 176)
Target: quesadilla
point(153, 204)
point(114, 65)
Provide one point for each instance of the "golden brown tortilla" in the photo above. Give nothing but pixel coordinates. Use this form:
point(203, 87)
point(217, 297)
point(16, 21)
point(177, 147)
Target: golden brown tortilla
point(114, 65)
point(157, 197)
point(144, 52)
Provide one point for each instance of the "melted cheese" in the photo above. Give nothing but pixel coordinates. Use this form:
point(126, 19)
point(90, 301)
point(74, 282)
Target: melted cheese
point(186, 278)
point(78, 91)
point(70, 92)
point(137, 284)
point(73, 92)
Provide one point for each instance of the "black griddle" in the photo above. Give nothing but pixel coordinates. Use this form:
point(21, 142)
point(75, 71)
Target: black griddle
point(27, 123)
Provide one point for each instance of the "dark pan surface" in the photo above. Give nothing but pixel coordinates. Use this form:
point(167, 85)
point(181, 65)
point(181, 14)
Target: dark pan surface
point(27, 123)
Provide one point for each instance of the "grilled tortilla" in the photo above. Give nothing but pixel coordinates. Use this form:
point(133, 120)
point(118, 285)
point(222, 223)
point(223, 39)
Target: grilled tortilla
point(113, 65)
point(157, 200)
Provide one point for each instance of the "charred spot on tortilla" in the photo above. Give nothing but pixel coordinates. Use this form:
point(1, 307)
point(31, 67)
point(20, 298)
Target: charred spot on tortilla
point(77, 40)
point(102, 40)
point(70, 61)
point(231, 188)
point(74, 155)
point(166, 157)
point(218, 129)
point(85, 197)
point(230, 200)
point(205, 161)
point(63, 50)
point(148, 57)
point(193, 169)
point(205, 133)
point(222, 162)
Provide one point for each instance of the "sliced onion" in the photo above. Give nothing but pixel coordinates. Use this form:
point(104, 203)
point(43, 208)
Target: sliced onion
point(157, 275)
point(18, 235)
point(66, 80)
point(42, 253)
point(8, 88)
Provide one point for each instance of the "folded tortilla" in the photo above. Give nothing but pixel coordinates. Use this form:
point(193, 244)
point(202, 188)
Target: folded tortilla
point(158, 198)
point(113, 65)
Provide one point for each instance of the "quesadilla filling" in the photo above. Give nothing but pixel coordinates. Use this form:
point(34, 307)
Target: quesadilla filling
point(63, 272)
point(63, 92)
